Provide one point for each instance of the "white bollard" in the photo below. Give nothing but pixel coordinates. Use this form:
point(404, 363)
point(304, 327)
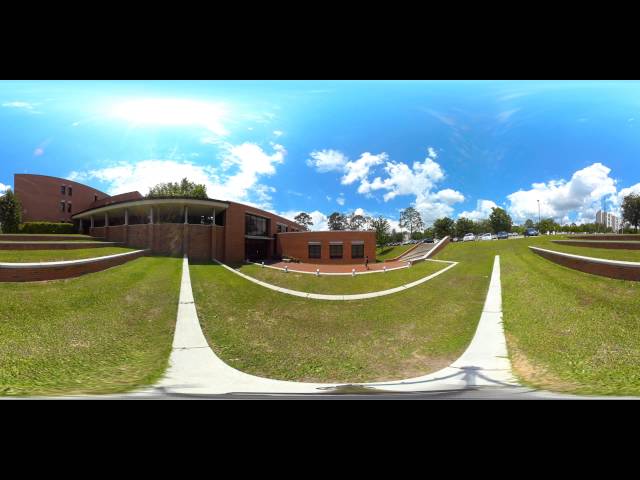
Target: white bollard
point(409, 262)
point(317, 272)
point(263, 264)
point(353, 272)
point(384, 268)
point(286, 269)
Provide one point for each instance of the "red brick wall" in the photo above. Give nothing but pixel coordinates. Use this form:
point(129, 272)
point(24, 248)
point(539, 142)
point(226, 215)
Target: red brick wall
point(54, 246)
point(39, 238)
point(116, 234)
point(625, 237)
point(296, 245)
point(98, 232)
point(123, 197)
point(439, 248)
point(219, 242)
point(619, 245)
point(40, 196)
point(167, 239)
point(199, 242)
point(138, 236)
point(604, 270)
point(38, 273)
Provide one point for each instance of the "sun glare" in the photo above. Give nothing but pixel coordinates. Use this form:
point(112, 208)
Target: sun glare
point(172, 112)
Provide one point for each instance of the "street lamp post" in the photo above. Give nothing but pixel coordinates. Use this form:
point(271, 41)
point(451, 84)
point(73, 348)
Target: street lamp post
point(538, 214)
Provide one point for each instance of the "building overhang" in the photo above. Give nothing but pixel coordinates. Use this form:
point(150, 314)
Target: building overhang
point(178, 203)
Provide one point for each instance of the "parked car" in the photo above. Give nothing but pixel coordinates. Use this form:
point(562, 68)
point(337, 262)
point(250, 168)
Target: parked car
point(531, 232)
point(427, 240)
point(469, 237)
point(455, 239)
point(502, 235)
point(486, 236)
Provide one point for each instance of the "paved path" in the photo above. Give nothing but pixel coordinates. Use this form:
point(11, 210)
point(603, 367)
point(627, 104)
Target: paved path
point(196, 370)
point(336, 269)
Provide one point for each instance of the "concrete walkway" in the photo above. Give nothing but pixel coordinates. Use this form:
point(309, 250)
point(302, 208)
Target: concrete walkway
point(196, 370)
point(358, 296)
point(330, 270)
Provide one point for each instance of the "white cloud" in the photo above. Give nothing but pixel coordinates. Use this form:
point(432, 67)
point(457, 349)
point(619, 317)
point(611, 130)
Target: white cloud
point(327, 160)
point(237, 179)
point(504, 116)
point(359, 169)
point(318, 218)
point(482, 211)
point(449, 196)
point(278, 133)
point(4, 188)
point(328, 198)
point(38, 152)
point(170, 111)
point(582, 195)
point(432, 153)
point(340, 201)
point(21, 105)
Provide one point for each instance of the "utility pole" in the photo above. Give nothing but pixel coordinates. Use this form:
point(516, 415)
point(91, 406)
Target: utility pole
point(538, 215)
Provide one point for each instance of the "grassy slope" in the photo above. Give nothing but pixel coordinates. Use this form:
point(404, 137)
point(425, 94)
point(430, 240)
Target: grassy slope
point(386, 253)
point(566, 330)
point(329, 284)
point(13, 256)
point(280, 336)
point(104, 332)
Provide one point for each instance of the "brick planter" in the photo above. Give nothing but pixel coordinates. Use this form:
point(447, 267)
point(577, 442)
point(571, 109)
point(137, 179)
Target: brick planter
point(55, 245)
point(612, 244)
point(596, 266)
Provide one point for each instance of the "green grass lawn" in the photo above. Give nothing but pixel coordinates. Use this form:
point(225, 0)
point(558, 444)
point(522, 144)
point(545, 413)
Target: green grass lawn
point(406, 334)
point(566, 330)
point(25, 256)
point(610, 253)
point(105, 332)
point(340, 284)
point(387, 253)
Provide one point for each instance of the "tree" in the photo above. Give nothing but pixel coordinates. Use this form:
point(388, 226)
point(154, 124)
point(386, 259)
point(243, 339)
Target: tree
point(528, 223)
point(410, 219)
point(183, 189)
point(443, 227)
point(547, 225)
point(337, 221)
point(464, 226)
point(382, 227)
point(500, 220)
point(10, 213)
point(356, 222)
point(304, 219)
point(631, 210)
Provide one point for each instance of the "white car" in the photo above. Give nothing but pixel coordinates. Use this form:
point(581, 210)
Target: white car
point(486, 236)
point(469, 237)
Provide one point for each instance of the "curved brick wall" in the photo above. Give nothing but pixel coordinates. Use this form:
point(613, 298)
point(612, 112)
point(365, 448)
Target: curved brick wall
point(55, 245)
point(8, 237)
point(60, 270)
point(621, 237)
point(615, 245)
point(596, 266)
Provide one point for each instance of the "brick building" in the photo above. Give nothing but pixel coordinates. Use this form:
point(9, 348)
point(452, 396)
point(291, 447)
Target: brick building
point(204, 229)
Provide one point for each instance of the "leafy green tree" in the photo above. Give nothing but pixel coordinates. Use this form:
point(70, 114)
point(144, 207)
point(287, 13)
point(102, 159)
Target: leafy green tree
point(500, 220)
point(185, 189)
point(337, 221)
point(547, 225)
point(356, 222)
point(528, 223)
point(410, 220)
point(10, 213)
point(463, 226)
point(443, 227)
point(381, 227)
point(631, 210)
point(304, 219)
point(482, 226)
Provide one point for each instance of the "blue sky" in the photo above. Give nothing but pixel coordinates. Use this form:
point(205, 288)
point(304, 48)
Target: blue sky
point(446, 147)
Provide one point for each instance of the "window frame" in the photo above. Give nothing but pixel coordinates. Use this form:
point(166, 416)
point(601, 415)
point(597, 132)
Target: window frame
point(314, 245)
point(359, 246)
point(336, 245)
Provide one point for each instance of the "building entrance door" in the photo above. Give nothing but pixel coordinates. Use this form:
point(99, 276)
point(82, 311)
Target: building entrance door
point(256, 250)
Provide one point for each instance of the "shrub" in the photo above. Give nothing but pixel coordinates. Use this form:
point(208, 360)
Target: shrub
point(47, 227)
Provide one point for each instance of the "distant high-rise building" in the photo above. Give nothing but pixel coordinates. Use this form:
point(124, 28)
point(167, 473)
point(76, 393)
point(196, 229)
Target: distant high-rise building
point(608, 220)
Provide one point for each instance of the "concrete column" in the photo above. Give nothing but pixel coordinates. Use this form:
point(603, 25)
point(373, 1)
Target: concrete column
point(126, 216)
point(151, 215)
point(80, 227)
point(126, 226)
point(106, 219)
point(91, 221)
point(214, 217)
point(186, 214)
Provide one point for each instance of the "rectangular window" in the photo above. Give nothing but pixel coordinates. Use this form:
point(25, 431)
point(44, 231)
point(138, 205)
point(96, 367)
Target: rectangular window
point(69, 207)
point(63, 190)
point(256, 226)
point(335, 251)
point(95, 198)
point(315, 250)
point(62, 206)
point(70, 191)
point(357, 250)
point(279, 228)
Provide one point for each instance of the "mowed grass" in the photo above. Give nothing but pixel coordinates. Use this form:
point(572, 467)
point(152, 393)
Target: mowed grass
point(387, 253)
point(280, 336)
point(566, 330)
point(342, 284)
point(25, 256)
point(104, 332)
point(609, 253)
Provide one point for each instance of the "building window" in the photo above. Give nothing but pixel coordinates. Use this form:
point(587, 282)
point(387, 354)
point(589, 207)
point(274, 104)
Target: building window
point(335, 251)
point(279, 228)
point(69, 207)
point(315, 250)
point(62, 206)
point(256, 226)
point(95, 198)
point(357, 250)
point(63, 189)
point(70, 191)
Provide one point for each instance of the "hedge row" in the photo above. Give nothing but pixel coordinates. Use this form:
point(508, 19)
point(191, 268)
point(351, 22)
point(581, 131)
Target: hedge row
point(47, 227)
